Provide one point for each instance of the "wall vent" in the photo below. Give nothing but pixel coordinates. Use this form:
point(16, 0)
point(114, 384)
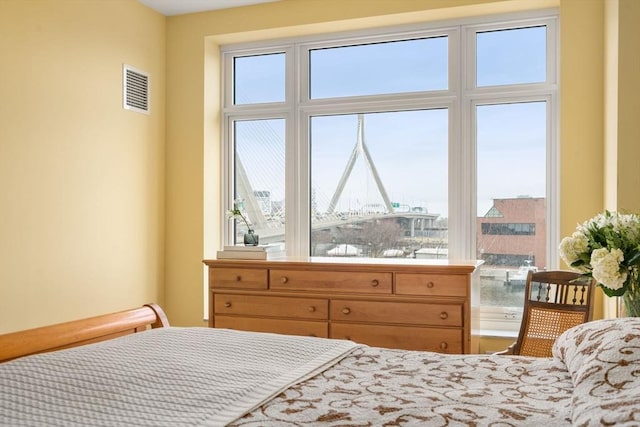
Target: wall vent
point(135, 89)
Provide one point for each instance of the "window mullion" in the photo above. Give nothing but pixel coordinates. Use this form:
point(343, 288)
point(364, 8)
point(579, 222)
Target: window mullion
point(297, 157)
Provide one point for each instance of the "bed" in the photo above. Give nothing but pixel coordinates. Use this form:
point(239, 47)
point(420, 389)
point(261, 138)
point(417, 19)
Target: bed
point(132, 368)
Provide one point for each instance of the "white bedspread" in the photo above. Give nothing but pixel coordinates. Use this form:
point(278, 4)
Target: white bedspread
point(163, 377)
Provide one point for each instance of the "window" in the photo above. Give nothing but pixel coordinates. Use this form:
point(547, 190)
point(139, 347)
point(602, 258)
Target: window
point(401, 66)
point(423, 141)
point(266, 86)
point(259, 173)
point(354, 169)
point(512, 229)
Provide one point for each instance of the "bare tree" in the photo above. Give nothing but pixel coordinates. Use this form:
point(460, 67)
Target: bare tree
point(381, 234)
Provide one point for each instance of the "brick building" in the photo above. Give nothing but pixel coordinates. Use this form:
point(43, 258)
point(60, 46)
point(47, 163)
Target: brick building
point(513, 233)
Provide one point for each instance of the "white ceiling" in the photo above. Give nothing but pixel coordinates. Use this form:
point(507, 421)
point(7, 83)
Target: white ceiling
point(179, 7)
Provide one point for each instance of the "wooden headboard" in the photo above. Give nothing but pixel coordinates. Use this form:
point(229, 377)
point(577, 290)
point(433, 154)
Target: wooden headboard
point(79, 332)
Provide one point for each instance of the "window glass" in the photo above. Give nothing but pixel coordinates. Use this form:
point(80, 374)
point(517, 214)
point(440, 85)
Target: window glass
point(368, 174)
point(511, 195)
point(259, 79)
point(259, 178)
point(379, 68)
point(507, 228)
point(511, 56)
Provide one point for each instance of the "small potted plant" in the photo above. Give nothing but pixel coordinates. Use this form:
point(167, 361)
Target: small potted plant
point(250, 237)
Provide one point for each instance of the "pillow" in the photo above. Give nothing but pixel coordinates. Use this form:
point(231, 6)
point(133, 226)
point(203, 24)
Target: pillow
point(603, 359)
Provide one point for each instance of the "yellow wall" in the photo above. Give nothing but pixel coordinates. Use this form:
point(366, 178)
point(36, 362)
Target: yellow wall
point(82, 195)
point(84, 227)
point(622, 109)
point(628, 107)
point(581, 115)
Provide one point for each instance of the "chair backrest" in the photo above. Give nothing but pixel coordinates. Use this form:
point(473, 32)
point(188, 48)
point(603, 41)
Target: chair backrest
point(554, 302)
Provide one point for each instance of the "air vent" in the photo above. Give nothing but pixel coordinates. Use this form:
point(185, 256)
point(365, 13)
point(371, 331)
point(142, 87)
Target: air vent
point(136, 90)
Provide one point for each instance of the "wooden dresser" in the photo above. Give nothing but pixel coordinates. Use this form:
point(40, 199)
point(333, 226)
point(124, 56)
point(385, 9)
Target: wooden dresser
point(407, 303)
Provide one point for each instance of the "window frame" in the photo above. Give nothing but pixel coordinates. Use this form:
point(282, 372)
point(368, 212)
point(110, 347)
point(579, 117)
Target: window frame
point(461, 99)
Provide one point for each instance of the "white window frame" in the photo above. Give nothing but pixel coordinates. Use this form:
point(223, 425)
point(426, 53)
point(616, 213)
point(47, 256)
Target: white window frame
point(505, 321)
point(461, 99)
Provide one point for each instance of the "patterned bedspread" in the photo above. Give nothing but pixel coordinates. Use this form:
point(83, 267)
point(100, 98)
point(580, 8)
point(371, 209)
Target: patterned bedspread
point(593, 380)
point(380, 387)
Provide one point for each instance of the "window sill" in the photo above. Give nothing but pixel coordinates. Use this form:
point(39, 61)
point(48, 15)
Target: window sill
point(496, 333)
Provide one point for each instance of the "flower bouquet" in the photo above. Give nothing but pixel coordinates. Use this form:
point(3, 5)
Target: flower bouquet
point(607, 248)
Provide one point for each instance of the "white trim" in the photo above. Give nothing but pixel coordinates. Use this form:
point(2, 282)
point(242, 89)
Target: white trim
point(504, 319)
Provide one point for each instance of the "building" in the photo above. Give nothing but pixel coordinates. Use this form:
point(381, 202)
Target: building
point(513, 233)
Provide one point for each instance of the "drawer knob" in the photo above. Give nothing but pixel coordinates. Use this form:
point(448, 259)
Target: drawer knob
point(311, 309)
point(346, 310)
point(227, 304)
point(375, 283)
point(238, 278)
point(284, 279)
point(443, 345)
point(444, 315)
point(430, 285)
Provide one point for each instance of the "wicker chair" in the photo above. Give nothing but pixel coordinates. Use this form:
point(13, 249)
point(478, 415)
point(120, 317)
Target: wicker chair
point(554, 302)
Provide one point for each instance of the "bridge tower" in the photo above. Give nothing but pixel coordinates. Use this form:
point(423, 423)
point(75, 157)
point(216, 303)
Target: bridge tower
point(360, 149)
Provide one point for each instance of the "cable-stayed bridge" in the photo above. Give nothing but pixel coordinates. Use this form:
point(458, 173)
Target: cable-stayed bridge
point(268, 219)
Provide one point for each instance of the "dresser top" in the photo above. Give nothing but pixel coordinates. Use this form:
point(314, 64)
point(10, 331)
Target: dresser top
point(355, 263)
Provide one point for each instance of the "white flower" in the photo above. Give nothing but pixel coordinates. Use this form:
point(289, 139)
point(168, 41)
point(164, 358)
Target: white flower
point(606, 247)
point(606, 267)
point(236, 213)
point(566, 250)
point(572, 247)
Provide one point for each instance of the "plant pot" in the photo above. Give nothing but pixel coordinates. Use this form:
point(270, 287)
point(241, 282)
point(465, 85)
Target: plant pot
point(251, 238)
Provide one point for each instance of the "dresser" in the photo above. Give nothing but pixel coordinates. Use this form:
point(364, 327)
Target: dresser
point(401, 303)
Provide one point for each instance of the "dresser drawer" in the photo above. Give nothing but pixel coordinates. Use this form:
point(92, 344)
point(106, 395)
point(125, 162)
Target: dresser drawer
point(397, 312)
point(268, 306)
point(278, 326)
point(238, 278)
point(404, 337)
point(448, 285)
point(334, 281)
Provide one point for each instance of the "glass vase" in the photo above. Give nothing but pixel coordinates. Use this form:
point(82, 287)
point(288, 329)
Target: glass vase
point(631, 301)
point(251, 238)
